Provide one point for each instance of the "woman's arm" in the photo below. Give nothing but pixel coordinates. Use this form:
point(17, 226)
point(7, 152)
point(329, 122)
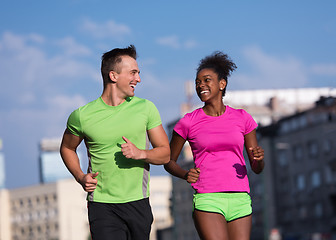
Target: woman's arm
point(176, 145)
point(255, 153)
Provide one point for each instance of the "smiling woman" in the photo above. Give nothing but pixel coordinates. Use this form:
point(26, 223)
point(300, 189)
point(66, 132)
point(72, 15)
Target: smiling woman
point(217, 135)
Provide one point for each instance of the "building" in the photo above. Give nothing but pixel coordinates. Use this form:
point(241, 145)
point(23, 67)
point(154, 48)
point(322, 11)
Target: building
point(160, 194)
point(49, 211)
point(51, 166)
point(302, 173)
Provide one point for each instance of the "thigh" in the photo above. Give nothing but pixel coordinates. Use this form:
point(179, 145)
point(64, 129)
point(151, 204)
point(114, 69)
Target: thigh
point(105, 224)
point(138, 216)
point(210, 226)
point(240, 229)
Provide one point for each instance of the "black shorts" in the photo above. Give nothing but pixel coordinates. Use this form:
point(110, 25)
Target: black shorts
point(120, 221)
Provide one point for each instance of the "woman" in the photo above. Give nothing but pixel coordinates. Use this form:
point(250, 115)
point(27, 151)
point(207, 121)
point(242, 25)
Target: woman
point(217, 135)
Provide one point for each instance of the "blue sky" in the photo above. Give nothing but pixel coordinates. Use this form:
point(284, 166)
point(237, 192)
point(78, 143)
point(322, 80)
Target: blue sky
point(50, 57)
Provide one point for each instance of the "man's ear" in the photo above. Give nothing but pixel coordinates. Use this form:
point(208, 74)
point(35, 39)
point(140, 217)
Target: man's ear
point(113, 76)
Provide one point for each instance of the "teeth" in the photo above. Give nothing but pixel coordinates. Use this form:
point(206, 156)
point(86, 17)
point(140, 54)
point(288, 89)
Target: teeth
point(202, 92)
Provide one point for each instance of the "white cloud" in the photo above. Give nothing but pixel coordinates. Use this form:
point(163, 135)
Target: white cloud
point(174, 42)
point(324, 69)
point(109, 29)
point(29, 70)
point(73, 48)
point(270, 72)
point(170, 41)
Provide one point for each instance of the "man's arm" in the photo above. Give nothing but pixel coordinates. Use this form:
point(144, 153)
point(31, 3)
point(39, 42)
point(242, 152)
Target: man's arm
point(70, 158)
point(158, 155)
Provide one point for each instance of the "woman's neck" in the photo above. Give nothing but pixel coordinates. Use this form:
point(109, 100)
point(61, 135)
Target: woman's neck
point(214, 109)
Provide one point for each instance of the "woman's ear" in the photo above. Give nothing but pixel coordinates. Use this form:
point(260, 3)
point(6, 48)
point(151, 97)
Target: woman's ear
point(222, 84)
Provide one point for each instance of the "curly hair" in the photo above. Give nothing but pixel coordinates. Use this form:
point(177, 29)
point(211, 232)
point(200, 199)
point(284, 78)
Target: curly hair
point(111, 59)
point(220, 63)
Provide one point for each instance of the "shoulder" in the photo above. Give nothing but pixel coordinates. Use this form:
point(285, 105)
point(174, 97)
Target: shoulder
point(189, 118)
point(237, 111)
point(137, 100)
point(194, 114)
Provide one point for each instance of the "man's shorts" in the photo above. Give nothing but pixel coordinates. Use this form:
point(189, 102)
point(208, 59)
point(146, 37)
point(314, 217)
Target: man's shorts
point(120, 221)
point(231, 205)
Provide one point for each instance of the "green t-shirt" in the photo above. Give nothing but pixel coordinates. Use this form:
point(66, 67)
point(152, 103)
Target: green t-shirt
point(102, 126)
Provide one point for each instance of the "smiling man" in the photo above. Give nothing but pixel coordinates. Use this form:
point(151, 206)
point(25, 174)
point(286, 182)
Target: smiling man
point(114, 128)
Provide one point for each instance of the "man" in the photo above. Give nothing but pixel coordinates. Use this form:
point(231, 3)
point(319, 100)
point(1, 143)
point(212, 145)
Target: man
point(114, 129)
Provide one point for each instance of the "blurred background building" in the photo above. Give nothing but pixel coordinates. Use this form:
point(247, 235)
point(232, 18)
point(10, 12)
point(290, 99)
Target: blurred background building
point(51, 165)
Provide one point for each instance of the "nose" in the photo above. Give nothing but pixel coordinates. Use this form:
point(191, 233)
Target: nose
point(138, 79)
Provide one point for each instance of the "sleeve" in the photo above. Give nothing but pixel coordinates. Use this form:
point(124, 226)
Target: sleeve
point(154, 118)
point(182, 127)
point(74, 125)
point(250, 123)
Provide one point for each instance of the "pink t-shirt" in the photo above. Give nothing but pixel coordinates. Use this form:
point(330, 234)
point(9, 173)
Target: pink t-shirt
point(217, 144)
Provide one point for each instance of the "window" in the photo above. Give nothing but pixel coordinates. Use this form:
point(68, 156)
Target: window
point(282, 158)
point(300, 182)
point(316, 179)
point(328, 174)
point(298, 152)
point(318, 210)
point(313, 148)
point(327, 146)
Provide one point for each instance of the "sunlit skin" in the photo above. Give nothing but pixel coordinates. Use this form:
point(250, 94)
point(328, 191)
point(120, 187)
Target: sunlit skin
point(213, 226)
point(124, 82)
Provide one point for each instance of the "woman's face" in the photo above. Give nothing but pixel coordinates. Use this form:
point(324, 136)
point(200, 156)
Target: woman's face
point(208, 86)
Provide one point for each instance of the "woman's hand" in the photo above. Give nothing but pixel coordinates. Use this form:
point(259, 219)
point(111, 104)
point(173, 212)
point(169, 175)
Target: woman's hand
point(192, 175)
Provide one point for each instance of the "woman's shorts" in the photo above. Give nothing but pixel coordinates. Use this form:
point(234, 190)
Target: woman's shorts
point(231, 205)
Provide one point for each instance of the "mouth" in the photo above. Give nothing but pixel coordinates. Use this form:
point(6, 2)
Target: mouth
point(133, 86)
point(204, 92)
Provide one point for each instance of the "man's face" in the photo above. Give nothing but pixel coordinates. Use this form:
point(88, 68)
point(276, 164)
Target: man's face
point(128, 77)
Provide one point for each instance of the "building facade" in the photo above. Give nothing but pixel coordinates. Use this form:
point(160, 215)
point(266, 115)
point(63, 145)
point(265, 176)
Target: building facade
point(51, 166)
point(48, 211)
point(303, 162)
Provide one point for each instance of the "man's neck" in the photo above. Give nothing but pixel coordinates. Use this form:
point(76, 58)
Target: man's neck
point(110, 96)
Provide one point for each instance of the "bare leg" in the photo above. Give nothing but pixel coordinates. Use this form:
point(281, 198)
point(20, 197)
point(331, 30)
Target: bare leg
point(210, 226)
point(240, 229)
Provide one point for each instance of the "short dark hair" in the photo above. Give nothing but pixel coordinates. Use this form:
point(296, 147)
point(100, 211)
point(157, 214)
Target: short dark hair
point(111, 59)
point(220, 63)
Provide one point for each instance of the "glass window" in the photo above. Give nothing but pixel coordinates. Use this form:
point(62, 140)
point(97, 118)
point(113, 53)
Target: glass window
point(282, 158)
point(313, 148)
point(316, 179)
point(298, 152)
point(318, 209)
point(328, 174)
point(300, 182)
point(327, 146)
point(303, 212)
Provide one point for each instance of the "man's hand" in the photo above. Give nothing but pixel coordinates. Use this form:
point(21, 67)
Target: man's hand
point(89, 181)
point(192, 175)
point(129, 150)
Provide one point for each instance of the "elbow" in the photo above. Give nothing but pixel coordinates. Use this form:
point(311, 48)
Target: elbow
point(166, 160)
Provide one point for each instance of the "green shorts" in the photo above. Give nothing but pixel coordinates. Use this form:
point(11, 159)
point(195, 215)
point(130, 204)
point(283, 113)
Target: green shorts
point(231, 205)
